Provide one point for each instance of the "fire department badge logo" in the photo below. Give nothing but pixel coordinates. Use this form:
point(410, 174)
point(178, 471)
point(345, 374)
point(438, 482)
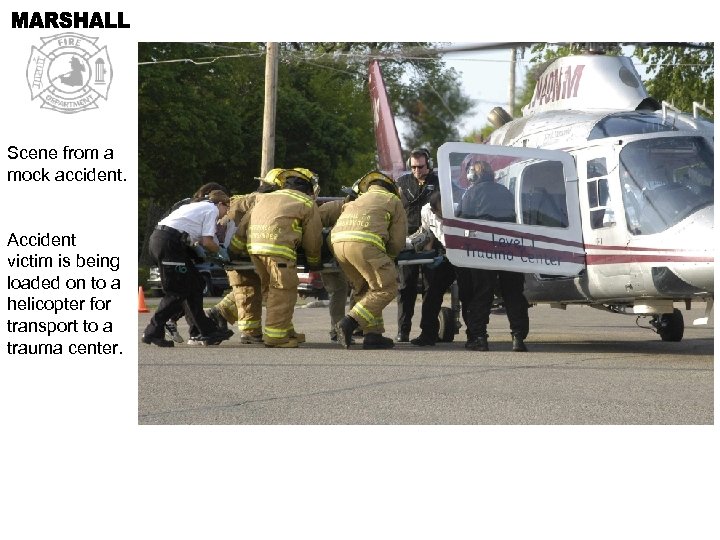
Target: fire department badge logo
point(69, 73)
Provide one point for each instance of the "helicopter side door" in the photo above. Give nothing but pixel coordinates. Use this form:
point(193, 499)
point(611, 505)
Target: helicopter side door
point(543, 236)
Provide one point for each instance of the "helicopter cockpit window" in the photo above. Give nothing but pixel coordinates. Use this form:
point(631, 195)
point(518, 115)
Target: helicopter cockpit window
point(664, 181)
point(601, 211)
point(509, 189)
point(630, 124)
point(597, 167)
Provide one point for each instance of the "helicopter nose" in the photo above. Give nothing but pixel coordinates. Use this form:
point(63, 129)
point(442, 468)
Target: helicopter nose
point(695, 274)
point(699, 276)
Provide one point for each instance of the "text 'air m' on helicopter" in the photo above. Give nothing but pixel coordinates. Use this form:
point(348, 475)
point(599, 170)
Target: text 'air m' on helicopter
point(613, 196)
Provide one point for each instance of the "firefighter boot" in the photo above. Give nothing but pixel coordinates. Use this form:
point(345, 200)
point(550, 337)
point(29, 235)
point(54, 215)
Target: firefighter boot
point(214, 314)
point(292, 343)
point(377, 341)
point(345, 329)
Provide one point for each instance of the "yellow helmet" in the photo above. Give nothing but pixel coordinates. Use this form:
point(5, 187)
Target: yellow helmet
point(364, 182)
point(271, 177)
point(313, 177)
point(287, 174)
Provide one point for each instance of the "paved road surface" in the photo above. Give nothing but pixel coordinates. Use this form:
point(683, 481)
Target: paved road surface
point(585, 366)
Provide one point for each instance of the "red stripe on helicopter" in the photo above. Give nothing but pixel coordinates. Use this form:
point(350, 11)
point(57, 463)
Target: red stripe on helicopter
point(625, 258)
point(590, 247)
point(509, 232)
point(524, 250)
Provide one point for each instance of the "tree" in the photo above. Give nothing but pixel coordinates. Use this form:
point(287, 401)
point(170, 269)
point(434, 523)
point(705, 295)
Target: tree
point(680, 74)
point(201, 111)
point(433, 103)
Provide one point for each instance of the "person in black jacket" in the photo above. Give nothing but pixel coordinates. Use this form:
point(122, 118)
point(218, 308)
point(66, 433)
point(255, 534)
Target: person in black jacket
point(488, 200)
point(415, 189)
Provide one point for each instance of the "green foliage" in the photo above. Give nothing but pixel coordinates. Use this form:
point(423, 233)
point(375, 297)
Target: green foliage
point(433, 103)
point(479, 136)
point(202, 120)
point(143, 276)
point(680, 75)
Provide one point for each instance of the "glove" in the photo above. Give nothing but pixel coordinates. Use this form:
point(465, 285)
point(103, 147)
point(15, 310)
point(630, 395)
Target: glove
point(199, 251)
point(437, 261)
point(220, 256)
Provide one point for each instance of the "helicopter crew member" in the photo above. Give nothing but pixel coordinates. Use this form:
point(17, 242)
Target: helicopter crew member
point(486, 199)
point(279, 223)
point(243, 304)
point(414, 188)
point(169, 245)
point(366, 240)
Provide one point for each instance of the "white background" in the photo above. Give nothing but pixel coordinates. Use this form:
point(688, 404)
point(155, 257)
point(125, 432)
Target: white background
point(76, 464)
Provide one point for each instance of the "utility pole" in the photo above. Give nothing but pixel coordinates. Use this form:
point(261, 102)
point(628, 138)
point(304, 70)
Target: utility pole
point(268, 140)
point(511, 96)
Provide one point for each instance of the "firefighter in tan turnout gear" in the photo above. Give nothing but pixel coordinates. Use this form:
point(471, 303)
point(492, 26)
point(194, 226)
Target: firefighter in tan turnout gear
point(366, 239)
point(280, 222)
point(244, 303)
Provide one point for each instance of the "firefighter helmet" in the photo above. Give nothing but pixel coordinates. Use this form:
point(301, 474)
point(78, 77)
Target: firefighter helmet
point(372, 176)
point(271, 177)
point(313, 176)
point(289, 174)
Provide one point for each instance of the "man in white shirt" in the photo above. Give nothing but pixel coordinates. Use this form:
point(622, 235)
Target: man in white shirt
point(439, 276)
point(170, 242)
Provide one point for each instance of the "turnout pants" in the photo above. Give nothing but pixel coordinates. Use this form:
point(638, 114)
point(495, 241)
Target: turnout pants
point(244, 303)
point(181, 283)
point(279, 281)
point(373, 276)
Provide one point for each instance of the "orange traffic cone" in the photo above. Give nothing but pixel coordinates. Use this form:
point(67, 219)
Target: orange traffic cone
point(142, 308)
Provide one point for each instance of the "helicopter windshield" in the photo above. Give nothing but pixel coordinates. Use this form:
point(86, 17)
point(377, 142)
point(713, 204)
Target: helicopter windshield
point(664, 180)
point(625, 123)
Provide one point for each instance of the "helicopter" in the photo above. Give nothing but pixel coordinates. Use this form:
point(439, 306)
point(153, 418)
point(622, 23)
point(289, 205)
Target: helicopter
point(614, 193)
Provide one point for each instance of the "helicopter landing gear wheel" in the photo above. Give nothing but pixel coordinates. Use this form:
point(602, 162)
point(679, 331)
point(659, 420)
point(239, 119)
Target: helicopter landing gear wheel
point(670, 326)
point(446, 331)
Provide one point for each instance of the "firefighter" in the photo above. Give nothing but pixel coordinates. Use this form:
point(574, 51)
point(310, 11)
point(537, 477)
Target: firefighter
point(279, 223)
point(244, 303)
point(366, 239)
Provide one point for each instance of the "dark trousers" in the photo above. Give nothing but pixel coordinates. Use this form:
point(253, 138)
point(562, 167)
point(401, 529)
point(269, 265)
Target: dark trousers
point(407, 294)
point(438, 281)
point(477, 290)
point(181, 283)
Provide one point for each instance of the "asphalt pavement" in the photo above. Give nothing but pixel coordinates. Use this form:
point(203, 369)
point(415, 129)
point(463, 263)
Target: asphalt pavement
point(585, 366)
